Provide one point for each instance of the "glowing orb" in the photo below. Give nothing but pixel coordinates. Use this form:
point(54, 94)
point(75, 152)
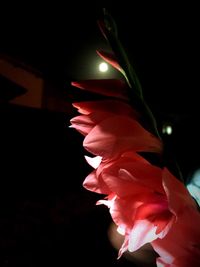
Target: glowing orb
point(103, 67)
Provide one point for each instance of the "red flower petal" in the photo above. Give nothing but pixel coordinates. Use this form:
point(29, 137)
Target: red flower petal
point(118, 134)
point(127, 176)
point(158, 214)
point(82, 123)
point(178, 196)
point(102, 28)
point(107, 87)
point(103, 170)
point(181, 244)
point(143, 232)
point(112, 106)
point(95, 184)
point(123, 187)
point(110, 58)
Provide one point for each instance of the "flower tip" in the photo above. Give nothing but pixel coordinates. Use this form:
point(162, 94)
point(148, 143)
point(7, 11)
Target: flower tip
point(102, 27)
point(104, 55)
point(110, 58)
point(99, 51)
point(74, 84)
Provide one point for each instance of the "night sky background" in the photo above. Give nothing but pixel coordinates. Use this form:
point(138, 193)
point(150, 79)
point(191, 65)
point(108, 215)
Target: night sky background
point(46, 217)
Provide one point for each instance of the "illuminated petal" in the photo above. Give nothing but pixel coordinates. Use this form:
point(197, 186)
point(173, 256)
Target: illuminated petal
point(123, 187)
point(95, 184)
point(178, 196)
point(111, 106)
point(107, 87)
point(139, 173)
point(123, 211)
point(143, 232)
point(158, 214)
point(119, 134)
point(85, 123)
point(109, 58)
point(82, 123)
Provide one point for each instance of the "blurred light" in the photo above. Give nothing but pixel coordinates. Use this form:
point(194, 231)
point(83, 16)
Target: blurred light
point(194, 186)
point(103, 67)
point(167, 129)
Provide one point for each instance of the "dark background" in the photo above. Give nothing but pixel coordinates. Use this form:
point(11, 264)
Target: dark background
point(46, 216)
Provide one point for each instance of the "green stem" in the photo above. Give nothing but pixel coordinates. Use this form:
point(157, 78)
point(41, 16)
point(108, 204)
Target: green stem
point(135, 92)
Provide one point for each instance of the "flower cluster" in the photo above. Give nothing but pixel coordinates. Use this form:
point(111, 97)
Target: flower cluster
point(146, 202)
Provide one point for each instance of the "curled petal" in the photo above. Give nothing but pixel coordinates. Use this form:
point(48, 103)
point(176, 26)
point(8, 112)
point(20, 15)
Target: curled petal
point(107, 87)
point(122, 211)
point(118, 134)
point(143, 232)
point(85, 123)
point(107, 173)
point(110, 59)
point(124, 246)
point(111, 106)
point(102, 28)
point(158, 214)
point(182, 241)
point(178, 196)
point(82, 124)
point(95, 184)
point(124, 183)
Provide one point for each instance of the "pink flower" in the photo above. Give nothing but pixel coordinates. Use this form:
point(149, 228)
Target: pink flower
point(113, 106)
point(181, 247)
point(95, 112)
point(118, 134)
point(108, 135)
point(147, 204)
point(137, 201)
point(111, 127)
point(108, 87)
point(95, 182)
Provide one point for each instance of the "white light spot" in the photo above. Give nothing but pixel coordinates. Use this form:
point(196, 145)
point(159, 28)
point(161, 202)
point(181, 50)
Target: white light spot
point(103, 67)
point(167, 129)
